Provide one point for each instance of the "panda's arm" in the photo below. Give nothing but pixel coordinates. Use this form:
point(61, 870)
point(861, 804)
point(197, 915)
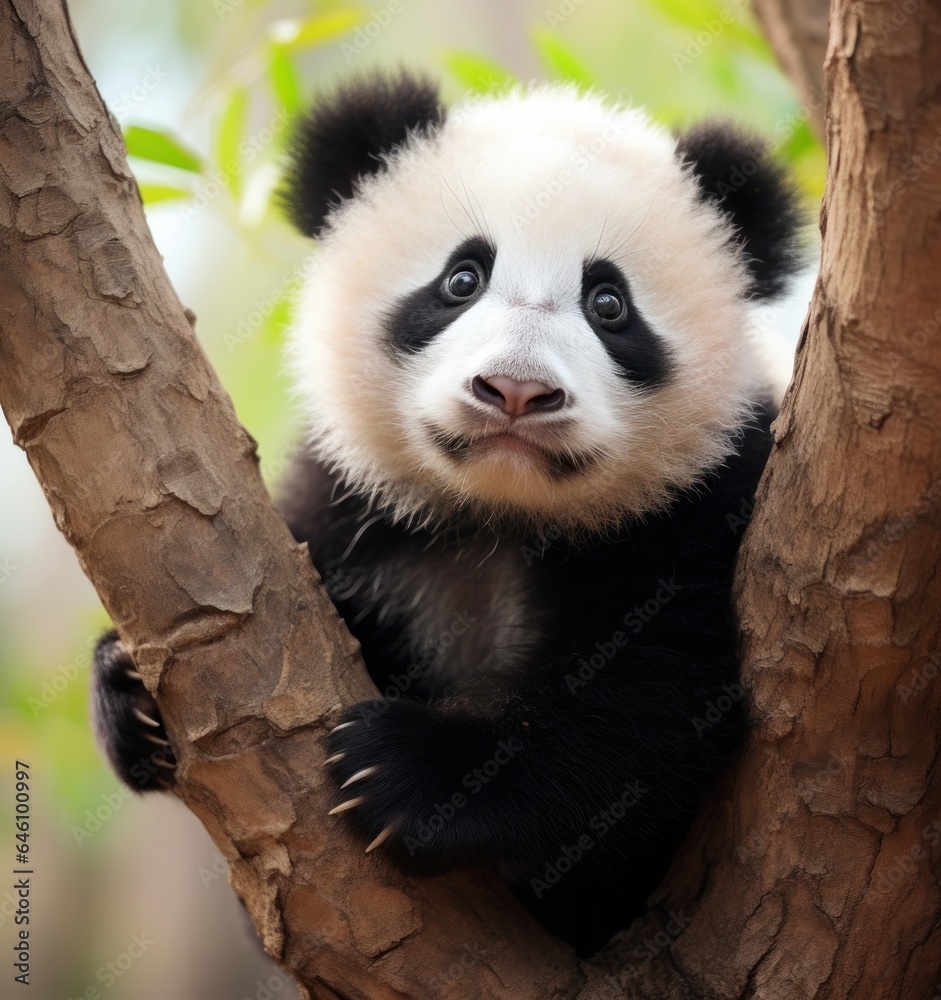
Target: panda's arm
point(637, 740)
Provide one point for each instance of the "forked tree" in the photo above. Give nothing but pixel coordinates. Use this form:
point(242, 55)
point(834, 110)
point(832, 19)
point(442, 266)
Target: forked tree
point(814, 870)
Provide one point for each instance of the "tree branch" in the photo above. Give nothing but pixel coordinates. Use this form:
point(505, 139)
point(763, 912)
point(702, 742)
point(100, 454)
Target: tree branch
point(817, 873)
point(155, 484)
point(813, 869)
point(797, 31)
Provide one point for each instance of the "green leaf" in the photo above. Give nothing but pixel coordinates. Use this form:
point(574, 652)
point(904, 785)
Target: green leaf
point(314, 31)
point(229, 136)
point(558, 59)
point(707, 24)
point(476, 73)
point(160, 147)
point(284, 78)
point(687, 13)
point(153, 194)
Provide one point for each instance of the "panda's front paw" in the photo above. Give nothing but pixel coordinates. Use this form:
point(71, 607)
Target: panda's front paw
point(127, 721)
point(401, 770)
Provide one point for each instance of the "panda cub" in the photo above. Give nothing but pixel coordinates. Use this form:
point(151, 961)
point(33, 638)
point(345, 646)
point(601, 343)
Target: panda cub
point(537, 415)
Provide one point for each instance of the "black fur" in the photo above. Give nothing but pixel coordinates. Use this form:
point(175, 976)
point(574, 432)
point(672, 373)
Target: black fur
point(736, 170)
point(641, 356)
point(139, 753)
point(421, 315)
point(344, 137)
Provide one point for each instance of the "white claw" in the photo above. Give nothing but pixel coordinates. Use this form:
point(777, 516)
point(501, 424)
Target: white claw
point(343, 725)
point(159, 740)
point(349, 804)
point(134, 675)
point(160, 762)
point(336, 758)
point(146, 718)
point(382, 838)
point(367, 772)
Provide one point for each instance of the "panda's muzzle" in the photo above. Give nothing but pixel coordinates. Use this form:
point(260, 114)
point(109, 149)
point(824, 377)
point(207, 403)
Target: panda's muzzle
point(555, 463)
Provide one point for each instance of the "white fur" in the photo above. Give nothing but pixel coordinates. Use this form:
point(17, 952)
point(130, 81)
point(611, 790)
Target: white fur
point(551, 178)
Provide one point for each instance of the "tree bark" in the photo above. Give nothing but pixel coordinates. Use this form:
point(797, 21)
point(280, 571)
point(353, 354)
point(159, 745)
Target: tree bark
point(814, 872)
point(156, 485)
point(818, 873)
point(797, 31)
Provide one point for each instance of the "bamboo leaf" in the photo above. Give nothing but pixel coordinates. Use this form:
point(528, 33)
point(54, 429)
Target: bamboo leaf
point(153, 194)
point(558, 59)
point(229, 136)
point(477, 73)
point(284, 79)
point(160, 147)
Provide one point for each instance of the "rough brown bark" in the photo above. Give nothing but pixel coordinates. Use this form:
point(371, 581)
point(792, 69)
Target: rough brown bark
point(819, 875)
point(797, 31)
point(155, 484)
point(817, 872)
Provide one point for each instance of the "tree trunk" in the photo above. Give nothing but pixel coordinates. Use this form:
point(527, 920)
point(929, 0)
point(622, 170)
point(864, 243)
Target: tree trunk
point(797, 31)
point(814, 873)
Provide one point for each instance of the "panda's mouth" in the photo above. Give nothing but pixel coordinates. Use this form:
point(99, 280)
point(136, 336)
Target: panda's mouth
point(556, 463)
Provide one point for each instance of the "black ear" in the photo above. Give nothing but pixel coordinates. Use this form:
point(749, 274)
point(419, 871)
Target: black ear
point(736, 170)
point(342, 138)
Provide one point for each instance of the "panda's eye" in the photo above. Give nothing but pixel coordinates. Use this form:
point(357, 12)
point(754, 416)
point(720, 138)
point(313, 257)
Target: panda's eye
point(463, 283)
point(607, 307)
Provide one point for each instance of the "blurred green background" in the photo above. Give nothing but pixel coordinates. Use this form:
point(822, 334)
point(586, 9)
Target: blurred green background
point(205, 92)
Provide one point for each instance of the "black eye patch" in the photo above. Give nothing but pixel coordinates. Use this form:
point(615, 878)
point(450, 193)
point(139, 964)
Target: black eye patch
point(420, 316)
point(641, 356)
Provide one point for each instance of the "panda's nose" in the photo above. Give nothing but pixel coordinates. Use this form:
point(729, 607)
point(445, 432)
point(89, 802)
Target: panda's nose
point(516, 398)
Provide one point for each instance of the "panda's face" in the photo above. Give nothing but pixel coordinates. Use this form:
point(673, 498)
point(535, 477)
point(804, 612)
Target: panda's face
point(529, 313)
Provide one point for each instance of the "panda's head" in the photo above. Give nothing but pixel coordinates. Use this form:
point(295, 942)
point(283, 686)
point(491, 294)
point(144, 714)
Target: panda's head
point(530, 306)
